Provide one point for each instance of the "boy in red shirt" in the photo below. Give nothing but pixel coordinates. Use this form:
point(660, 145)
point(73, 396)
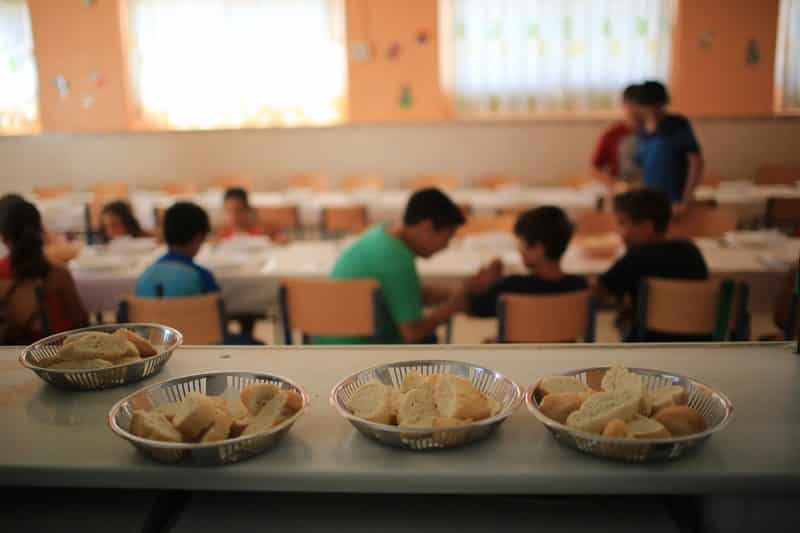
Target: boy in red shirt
point(614, 154)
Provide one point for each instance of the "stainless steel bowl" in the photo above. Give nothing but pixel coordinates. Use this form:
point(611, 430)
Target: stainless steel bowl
point(164, 338)
point(227, 384)
point(507, 393)
point(712, 405)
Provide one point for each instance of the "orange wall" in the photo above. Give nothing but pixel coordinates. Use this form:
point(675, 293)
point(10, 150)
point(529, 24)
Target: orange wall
point(718, 80)
point(73, 40)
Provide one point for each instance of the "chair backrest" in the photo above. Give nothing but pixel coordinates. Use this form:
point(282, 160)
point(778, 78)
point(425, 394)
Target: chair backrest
point(344, 219)
point(783, 213)
point(702, 221)
point(593, 222)
point(330, 307)
point(175, 188)
point(426, 181)
point(487, 224)
point(201, 319)
point(497, 181)
point(281, 217)
point(227, 182)
point(564, 317)
point(362, 183)
point(313, 182)
point(777, 175)
point(115, 189)
point(51, 191)
point(685, 307)
point(575, 180)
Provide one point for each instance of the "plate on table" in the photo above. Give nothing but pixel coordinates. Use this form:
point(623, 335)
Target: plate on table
point(223, 262)
point(754, 238)
point(600, 246)
point(123, 245)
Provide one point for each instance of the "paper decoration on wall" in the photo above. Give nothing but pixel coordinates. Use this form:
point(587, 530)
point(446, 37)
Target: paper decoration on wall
point(406, 99)
point(62, 86)
point(494, 104)
point(96, 79)
point(87, 101)
point(423, 37)
point(360, 51)
point(393, 51)
point(705, 40)
point(753, 53)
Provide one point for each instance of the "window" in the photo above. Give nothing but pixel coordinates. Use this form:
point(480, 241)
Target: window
point(522, 57)
point(18, 83)
point(237, 63)
point(787, 71)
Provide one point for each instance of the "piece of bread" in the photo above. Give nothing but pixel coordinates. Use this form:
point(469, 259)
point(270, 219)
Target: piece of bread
point(236, 409)
point(269, 416)
point(555, 384)
point(413, 380)
point(417, 408)
point(106, 347)
point(153, 425)
point(256, 395)
point(75, 337)
point(494, 406)
point(642, 427)
point(457, 397)
point(668, 395)
point(601, 408)
point(169, 410)
point(82, 364)
point(239, 425)
point(194, 415)
point(372, 401)
point(294, 402)
point(558, 406)
point(616, 428)
point(220, 427)
point(145, 347)
point(681, 420)
point(619, 378)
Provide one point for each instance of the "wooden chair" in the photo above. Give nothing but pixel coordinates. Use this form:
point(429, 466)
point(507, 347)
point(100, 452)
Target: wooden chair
point(110, 189)
point(344, 220)
point(201, 319)
point(684, 307)
point(701, 221)
point(228, 182)
point(281, 217)
point(362, 183)
point(51, 191)
point(777, 175)
point(784, 214)
point(497, 182)
point(487, 224)
point(178, 188)
point(427, 181)
point(593, 222)
point(25, 311)
point(343, 308)
point(563, 317)
point(312, 182)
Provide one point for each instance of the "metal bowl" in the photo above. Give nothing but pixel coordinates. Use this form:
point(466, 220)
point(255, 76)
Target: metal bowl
point(227, 384)
point(712, 405)
point(164, 338)
point(507, 393)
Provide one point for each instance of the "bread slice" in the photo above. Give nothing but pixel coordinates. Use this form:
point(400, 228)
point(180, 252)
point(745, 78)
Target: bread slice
point(153, 425)
point(236, 409)
point(642, 427)
point(558, 406)
point(256, 395)
point(269, 416)
point(145, 347)
point(75, 337)
point(82, 364)
point(220, 427)
point(555, 384)
point(601, 408)
point(668, 395)
point(616, 428)
point(194, 415)
point(106, 347)
point(372, 401)
point(413, 380)
point(681, 420)
point(417, 408)
point(620, 378)
point(457, 397)
point(494, 406)
point(169, 410)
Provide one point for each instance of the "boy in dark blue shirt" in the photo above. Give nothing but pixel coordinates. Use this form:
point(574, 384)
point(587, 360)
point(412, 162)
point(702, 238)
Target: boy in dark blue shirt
point(667, 149)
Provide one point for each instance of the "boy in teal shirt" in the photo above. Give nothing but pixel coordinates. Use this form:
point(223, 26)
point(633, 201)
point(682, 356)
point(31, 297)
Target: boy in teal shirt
point(387, 253)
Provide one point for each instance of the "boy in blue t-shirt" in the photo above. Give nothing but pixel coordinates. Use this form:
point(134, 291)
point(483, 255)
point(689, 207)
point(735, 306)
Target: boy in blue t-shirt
point(175, 274)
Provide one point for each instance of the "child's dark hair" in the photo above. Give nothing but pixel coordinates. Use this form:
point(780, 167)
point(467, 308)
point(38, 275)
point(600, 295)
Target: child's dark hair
point(124, 213)
point(641, 205)
point(548, 225)
point(434, 205)
point(239, 194)
point(24, 234)
point(6, 201)
point(183, 222)
point(631, 93)
point(652, 93)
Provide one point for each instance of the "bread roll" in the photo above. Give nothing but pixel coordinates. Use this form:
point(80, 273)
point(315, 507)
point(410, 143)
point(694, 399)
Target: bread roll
point(681, 420)
point(256, 395)
point(669, 395)
point(556, 384)
point(194, 415)
point(75, 337)
point(236, 409)
point(269, 416)
point(145, 348)
point(600, 408)
point(413, 380)
point(616, 428)
point(153, 425)
point(642, 427)
point(169, 410)
point(104, 346)
point(620, 378)
point(417, 408)
point(220, 427)
point(372, 401)
point(558, 406)
point(82, 364)
point(294, 402)
point(457, 397)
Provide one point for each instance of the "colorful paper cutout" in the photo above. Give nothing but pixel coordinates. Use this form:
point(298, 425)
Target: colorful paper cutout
point(62, 86)
point(406, 99)
point(752, 53)
point(393, 51)
point(360, 51)
point(87, 101)
point(422, 37)
point(96, 79)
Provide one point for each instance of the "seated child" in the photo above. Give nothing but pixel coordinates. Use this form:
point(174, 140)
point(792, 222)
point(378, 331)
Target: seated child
point(543, 235)
point(241, 219)
point(117, 220)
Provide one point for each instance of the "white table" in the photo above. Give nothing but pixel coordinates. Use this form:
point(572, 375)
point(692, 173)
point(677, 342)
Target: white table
point(58, 438)
point(747, 199)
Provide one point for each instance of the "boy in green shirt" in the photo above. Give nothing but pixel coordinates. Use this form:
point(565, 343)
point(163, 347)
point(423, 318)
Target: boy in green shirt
point(387, 253)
